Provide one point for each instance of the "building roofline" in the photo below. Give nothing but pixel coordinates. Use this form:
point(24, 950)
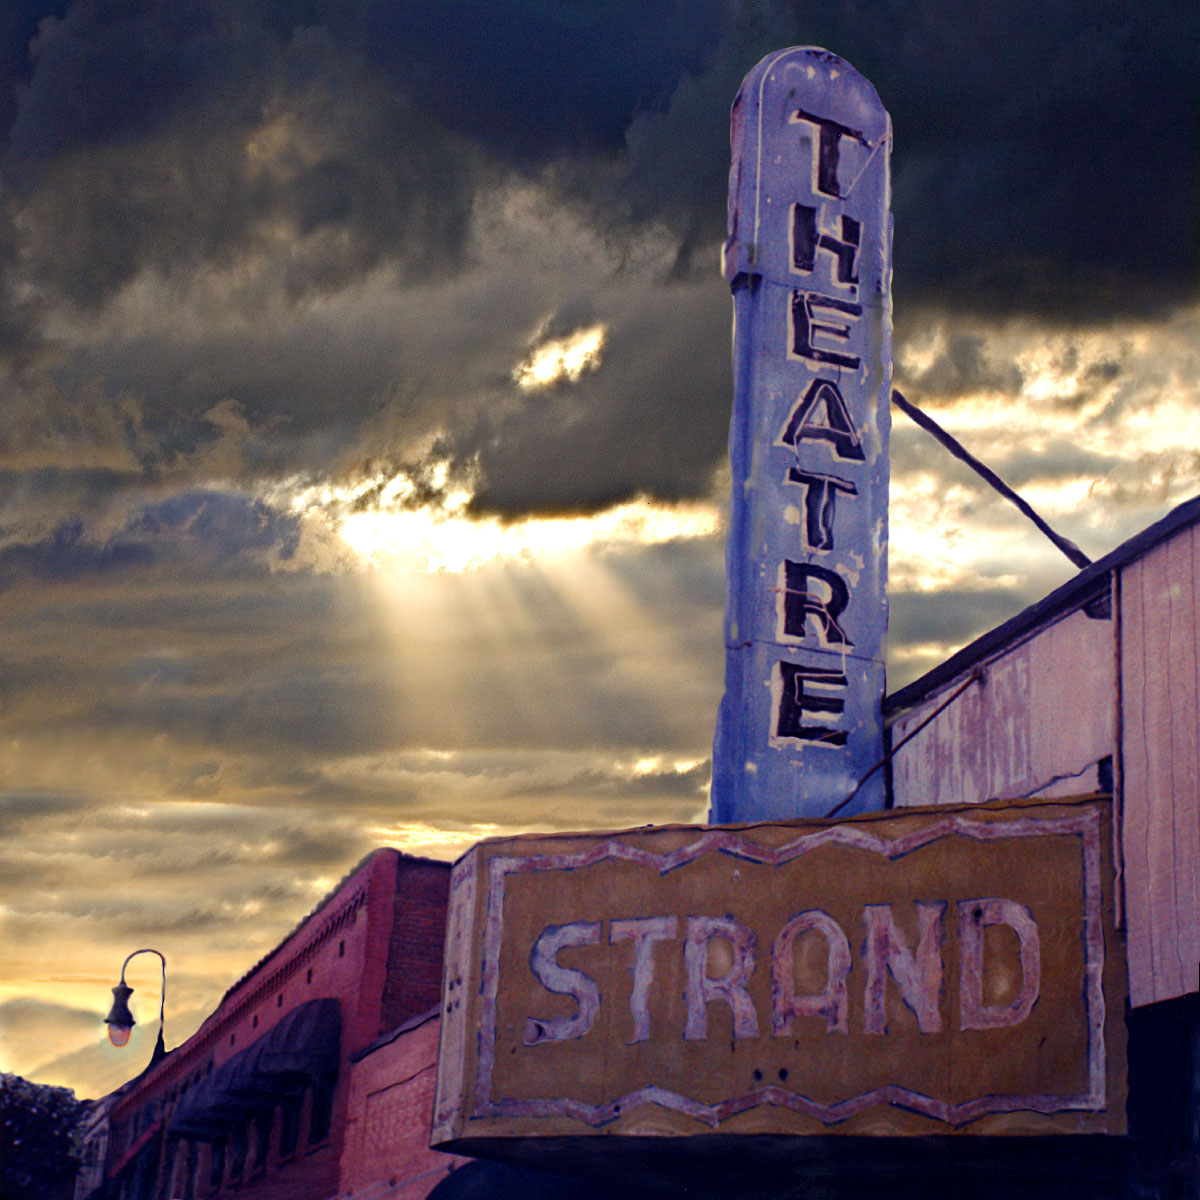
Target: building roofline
point(214, 1019)
point(1071, 595)
point(321, 905)
point(407, 1026)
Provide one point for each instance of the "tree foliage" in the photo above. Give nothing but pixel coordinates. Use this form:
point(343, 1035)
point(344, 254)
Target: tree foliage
point(39, 1139)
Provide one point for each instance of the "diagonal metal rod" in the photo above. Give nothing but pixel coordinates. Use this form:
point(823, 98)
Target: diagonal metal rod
point(989, 476)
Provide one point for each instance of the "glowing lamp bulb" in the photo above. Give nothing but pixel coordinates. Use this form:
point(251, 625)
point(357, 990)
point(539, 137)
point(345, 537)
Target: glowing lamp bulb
point(120, 1020)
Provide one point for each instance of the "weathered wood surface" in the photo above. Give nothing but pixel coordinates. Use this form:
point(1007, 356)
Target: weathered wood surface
point(1161, 768)
point(940, 972)
point(1036, 723)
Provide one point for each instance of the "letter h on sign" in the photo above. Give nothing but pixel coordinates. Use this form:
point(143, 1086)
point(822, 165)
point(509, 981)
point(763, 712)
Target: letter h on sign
point(807, 240)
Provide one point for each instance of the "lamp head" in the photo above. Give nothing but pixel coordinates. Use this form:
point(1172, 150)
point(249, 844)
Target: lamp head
point(120, 1020)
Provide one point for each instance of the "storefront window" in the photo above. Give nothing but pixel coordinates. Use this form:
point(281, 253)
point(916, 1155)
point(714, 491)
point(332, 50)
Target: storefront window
point(263, 1120)
point(238, 1146)
point(322, 1107)
point(289, 1126)
point(216, 1165)
point(190, 1163)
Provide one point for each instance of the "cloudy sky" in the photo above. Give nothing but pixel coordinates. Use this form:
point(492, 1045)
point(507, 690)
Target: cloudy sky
point(364, 393)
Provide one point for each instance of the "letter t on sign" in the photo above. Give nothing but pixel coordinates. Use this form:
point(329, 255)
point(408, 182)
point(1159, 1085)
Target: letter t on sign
point(644, 933)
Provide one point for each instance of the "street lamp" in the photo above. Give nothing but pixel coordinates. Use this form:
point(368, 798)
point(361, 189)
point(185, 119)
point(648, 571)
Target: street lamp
point(120, 1020)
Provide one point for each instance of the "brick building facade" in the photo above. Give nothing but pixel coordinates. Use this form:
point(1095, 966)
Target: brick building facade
point(271, 1097)
point(386, 1147)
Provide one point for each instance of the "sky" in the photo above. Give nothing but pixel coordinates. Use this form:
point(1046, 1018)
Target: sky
point(364, 396)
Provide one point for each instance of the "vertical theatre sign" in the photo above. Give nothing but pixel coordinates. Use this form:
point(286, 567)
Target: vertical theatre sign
point(808, 258)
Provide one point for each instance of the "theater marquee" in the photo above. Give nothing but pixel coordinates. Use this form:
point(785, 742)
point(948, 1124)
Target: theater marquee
point(942, 971)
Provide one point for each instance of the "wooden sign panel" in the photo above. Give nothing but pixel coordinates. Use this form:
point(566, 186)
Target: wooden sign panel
point(936, 971)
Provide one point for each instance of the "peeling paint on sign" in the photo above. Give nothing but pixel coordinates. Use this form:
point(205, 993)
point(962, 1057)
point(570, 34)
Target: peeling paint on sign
point(931, 972)
point(809, 260)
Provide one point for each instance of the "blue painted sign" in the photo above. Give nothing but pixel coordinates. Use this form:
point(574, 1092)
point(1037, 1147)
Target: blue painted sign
point(809, 260)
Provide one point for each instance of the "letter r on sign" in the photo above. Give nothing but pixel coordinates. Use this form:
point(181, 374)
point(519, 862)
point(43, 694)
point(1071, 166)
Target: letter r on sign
point(730, 987)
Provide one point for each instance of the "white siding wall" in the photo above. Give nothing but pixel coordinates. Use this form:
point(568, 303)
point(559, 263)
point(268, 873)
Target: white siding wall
point(1040, 718)
point(1161, 766)
point(1045, 714)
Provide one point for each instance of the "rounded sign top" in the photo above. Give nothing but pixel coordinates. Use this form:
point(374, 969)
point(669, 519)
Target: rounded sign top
point(812, 73)
point(805, 128)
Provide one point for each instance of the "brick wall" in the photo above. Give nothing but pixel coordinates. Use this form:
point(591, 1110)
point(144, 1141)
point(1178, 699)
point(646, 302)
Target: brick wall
point(342, 950)
point(387, 1152)
point(414, 956)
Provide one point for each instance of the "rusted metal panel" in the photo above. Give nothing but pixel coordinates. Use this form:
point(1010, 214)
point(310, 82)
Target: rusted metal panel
point(1039, 718)
point(1161, 769)
point(946, 971)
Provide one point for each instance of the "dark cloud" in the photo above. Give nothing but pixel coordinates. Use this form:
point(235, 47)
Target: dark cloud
point(110, 71)
point(19, 21)
point(23, 1017)
point(538, 79)
point(964, 367)
point(217, 185)
point(230, 532)
point(952, 617)
point(307, 849)
point(21, 810)
point(1056, 459)
point(171, 138)
point(1008, 129)
point(1033, 148)
point(652, 420)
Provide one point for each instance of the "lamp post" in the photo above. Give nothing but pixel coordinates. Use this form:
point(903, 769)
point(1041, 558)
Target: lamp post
point(120, 1020)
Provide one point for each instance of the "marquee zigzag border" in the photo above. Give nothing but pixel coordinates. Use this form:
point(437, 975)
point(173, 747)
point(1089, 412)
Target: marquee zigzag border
point(1084, 825)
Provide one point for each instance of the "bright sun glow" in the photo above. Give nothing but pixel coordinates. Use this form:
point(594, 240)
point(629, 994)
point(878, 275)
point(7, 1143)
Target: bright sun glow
point(430, 539)
point(422, 837)
point(386, 522)
point(559, 359)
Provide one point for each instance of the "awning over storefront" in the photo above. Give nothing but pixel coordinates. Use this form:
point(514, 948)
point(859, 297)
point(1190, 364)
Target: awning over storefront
point(302, 1048)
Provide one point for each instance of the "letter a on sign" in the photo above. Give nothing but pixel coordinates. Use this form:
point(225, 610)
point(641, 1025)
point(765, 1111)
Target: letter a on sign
point(808, 257)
